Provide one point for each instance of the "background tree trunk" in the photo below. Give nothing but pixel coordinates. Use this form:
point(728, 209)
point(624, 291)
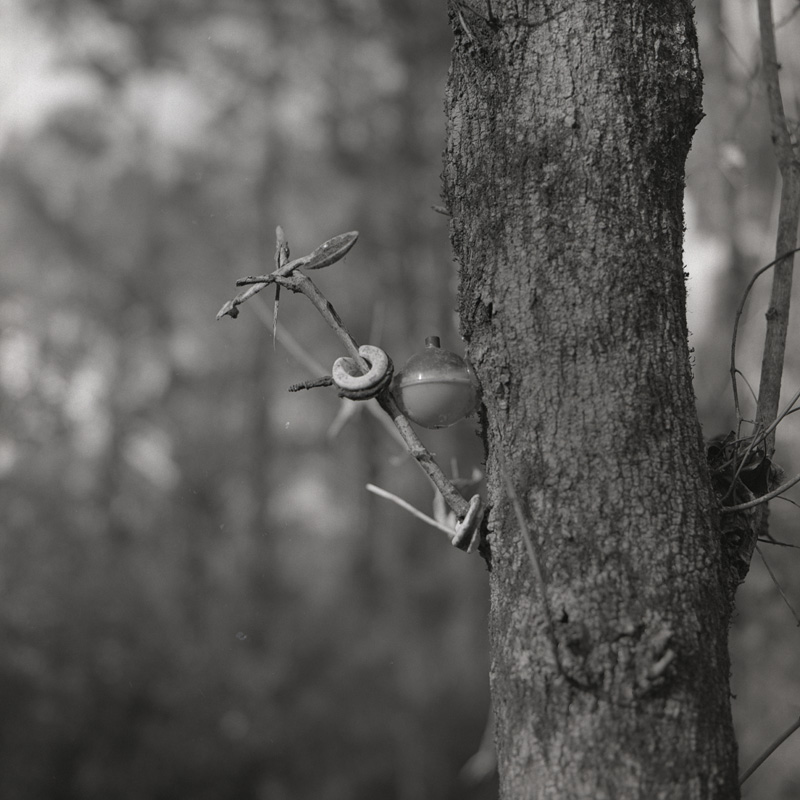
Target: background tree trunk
point(568, 129)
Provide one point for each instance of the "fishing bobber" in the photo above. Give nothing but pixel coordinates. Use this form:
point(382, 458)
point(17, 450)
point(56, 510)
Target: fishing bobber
point(436, 388)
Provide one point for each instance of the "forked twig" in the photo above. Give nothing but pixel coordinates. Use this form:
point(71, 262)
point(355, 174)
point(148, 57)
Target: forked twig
point(287, 275)
point(326, 254)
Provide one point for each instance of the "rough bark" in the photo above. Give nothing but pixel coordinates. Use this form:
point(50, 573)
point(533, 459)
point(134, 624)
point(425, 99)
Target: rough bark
point(568, 129)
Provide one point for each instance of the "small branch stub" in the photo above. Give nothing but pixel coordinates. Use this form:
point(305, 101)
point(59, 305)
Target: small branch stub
point(466, 534)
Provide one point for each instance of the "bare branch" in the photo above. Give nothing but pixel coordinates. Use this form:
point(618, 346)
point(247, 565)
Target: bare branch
point(734, 371)
point(778, 313)
point(286, 275)
point(299, 282)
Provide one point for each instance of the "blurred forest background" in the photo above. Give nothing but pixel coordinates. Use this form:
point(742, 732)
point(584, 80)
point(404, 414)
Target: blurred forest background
point(199, 598)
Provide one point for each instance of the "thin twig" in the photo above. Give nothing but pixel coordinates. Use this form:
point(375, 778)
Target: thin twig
point(314, 383)
point(769, 751)
point(779, 544)
point(411, 509)
point(778, 587)
point(786, 411)
point(749, 386)
point(734, 371)
point(294, 348)
point(790, 15)
point(765, 498)
point(788, 500)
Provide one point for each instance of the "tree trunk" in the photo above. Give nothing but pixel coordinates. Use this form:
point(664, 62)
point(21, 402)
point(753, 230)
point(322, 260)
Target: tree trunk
point(568, 129)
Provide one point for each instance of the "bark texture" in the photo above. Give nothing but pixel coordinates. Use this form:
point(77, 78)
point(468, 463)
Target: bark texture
point(568, 129)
